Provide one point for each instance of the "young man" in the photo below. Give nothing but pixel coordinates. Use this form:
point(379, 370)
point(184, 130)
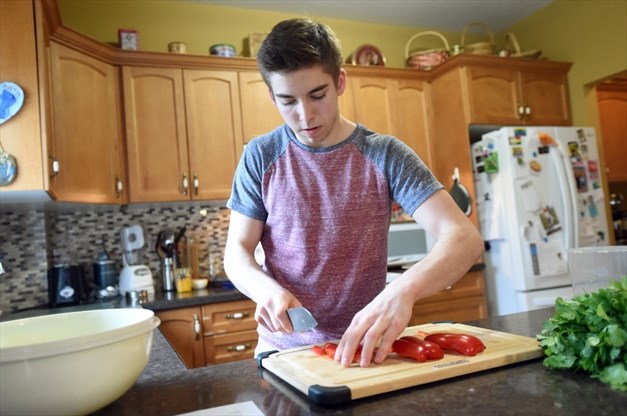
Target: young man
point(317, 192)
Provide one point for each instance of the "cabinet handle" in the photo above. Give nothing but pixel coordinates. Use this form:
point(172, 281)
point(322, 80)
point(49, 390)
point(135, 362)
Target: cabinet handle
point(55, 166)
point(527, 112)
point(236, 315)
point(521, 111)
point(119, 187)
point(196, 184)
point(238, 348)
point(185, 184)
point(197, 327)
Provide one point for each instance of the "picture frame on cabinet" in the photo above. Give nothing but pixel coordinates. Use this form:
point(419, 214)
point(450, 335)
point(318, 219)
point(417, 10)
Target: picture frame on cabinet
point(128, 39)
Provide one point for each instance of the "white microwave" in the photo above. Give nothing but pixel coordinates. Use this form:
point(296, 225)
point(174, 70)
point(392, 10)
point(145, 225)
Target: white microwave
point(408, 243)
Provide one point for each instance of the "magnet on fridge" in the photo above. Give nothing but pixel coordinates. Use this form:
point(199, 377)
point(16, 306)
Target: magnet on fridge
point(491, 163)
point(535, 166)
point(546, 139)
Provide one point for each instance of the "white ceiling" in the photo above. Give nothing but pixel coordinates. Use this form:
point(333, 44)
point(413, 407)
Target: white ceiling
point(448, 15)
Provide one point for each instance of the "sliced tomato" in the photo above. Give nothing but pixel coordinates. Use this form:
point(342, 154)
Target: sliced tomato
point(409, 349)
point(433, 350)
point(318, 350)
point(330, 348)
point(461, 343)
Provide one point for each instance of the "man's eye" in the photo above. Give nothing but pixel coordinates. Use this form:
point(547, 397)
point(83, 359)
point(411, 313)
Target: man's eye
point(318, 97)
point(289, 102)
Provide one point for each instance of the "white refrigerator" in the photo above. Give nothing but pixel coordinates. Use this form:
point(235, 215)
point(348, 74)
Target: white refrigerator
point(538, 193)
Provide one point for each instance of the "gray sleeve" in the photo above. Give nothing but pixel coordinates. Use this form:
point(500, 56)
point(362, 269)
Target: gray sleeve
point(246, 196)
point(411, 182)
point(259, 154)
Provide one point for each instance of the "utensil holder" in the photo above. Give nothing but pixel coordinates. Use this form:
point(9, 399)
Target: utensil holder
point(167, 274)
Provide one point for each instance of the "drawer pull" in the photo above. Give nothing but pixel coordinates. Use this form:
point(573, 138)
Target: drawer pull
point(238, 348)
point(449, 287)
point(236, 315)
point(196, 327)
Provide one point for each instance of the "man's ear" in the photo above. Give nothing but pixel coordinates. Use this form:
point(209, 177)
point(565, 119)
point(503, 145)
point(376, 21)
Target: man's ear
point(341, 82)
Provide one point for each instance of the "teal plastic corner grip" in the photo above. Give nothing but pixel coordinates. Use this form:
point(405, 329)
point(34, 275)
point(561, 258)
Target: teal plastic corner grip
point(329, 396)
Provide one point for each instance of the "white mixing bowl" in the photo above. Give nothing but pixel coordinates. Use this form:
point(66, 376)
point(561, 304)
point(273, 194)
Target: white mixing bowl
point(72, 363)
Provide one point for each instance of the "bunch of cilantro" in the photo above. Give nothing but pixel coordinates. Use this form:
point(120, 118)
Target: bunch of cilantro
point(589, 333)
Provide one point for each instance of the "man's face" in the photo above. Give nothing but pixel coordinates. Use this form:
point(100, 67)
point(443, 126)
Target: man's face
point(307, 99)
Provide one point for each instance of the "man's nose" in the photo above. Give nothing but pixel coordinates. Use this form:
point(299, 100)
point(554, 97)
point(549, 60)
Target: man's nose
point(305, 111)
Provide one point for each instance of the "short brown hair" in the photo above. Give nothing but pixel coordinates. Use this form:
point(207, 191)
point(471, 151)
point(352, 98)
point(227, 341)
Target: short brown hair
point(299, 43)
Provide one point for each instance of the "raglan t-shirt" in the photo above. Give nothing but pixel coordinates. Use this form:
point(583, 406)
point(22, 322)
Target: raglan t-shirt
point(326, 214)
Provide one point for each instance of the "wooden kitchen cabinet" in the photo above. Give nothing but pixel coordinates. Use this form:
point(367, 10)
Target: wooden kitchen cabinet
point(463, 301)
point(211, 334)
point(183, 132)
point(230, 331)
point(488, 90)
point(259, 115)
point(21, 136)
point(612, 105)
point(506, 95)
point(182, 328)
point(395, 106)
point(86, 144)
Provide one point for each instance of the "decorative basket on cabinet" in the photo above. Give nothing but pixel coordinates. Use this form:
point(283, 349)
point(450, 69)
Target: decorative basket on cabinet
point(426, 59)
point(512, 42)
point(479, 48)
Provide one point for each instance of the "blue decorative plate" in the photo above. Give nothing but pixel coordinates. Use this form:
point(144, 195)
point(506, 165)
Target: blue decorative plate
point(11, 100)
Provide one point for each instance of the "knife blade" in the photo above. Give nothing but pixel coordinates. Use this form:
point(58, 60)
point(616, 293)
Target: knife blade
point(302, 320)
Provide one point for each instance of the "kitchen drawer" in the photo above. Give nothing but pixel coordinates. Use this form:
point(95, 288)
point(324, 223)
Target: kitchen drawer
point(471, 284)
point(456, 310)
point(230, 347)
point(221, 318)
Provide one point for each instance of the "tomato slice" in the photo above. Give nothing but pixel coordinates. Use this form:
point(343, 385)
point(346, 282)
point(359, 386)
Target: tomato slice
point(330, 348)
point(409, 349)
point(461, 343)
point(318, 350)
point(433, 350)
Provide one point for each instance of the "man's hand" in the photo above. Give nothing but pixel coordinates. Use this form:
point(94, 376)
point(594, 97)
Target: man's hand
point(271, 312)
point(376, 326)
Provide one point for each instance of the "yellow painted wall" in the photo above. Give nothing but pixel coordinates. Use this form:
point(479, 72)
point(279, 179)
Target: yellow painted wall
point(160, 22)
point(590, 33)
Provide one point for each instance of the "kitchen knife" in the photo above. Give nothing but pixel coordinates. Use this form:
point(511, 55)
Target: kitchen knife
point(302, 320)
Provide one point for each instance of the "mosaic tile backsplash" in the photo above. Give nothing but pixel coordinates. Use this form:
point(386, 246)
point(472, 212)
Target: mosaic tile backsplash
point(34, 240)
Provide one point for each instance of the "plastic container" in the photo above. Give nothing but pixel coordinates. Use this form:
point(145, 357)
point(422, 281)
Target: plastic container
point(592, 268)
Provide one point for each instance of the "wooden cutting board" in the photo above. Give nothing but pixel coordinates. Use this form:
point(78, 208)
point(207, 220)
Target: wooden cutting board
point(326, 382)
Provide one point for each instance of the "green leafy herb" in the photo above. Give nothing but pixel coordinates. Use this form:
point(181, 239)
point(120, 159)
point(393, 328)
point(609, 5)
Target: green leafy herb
point(589, 333)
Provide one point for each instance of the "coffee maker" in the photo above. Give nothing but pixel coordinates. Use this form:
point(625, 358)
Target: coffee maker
point(134, 276)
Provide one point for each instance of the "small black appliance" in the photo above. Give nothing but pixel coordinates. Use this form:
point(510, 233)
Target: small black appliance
point(67, 285)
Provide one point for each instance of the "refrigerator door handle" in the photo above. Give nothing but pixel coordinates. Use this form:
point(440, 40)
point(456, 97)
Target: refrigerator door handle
point(567, 183)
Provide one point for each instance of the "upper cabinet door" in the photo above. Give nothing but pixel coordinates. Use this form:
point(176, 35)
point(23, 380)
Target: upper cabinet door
point(21, 135)
point(214, 132)
point(493, 95)
point(396, 106)
point(506, 95)
point(373, 102)
point(259, 115)
point(87, 135)
point(411, 116)
point(154, 107)
point(545, 96)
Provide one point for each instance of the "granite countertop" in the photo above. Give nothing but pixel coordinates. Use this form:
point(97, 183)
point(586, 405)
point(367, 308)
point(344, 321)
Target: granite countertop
point(166, 387)
point(216, 293)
